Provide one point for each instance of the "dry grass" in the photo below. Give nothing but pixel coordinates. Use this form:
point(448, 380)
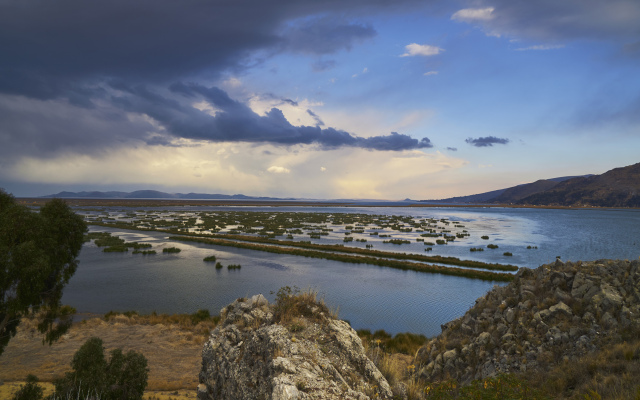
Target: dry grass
point(612, 373)
point(291, 304)
point(173, 350)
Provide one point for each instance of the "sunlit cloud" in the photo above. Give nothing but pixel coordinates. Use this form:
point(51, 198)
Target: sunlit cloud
point(249, 169)
point(274, 169)
point(415, 49)
point(474, 14)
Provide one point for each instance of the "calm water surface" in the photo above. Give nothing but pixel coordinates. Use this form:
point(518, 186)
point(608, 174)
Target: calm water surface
point(368, 296)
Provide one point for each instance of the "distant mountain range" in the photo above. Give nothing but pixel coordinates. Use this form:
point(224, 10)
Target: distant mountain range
point(154, 194)
point(619, 187)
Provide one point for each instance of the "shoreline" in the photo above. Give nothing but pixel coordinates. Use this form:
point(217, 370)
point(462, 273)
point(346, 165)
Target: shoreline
point(82, 202)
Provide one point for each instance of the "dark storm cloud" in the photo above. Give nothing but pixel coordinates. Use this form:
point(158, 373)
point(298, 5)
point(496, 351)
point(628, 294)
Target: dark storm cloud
point(46, 44)
point(107, 63)
point(42, 129)
point(235, 121)
point(486, 141)
point(325, 35)
point(553, 20)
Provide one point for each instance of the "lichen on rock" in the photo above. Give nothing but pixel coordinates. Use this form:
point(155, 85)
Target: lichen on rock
point(253, 355)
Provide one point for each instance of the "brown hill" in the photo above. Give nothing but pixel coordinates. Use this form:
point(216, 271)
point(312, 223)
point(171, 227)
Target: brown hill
point(517, 193)
point(619, 187)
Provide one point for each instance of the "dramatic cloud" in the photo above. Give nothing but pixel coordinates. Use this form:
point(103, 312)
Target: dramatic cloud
point(99, 74)
point(486, 141)
point(415, 49)
point(552, 20)
point(236, 122)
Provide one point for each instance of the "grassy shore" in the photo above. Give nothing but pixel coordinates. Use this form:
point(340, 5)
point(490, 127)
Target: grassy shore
point(357, 259)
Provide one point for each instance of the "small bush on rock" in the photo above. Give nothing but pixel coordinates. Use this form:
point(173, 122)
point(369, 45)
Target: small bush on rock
point(291, 303)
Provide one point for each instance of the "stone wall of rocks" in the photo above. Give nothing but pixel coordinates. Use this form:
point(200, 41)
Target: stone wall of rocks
point(554, 313)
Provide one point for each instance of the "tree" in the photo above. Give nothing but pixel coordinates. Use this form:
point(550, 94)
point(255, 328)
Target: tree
point(124, 377)
point(30, 391)
point(38, 256)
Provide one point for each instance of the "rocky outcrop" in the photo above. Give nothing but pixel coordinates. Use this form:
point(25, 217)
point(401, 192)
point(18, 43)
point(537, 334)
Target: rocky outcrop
point(250, 356)
point(557, 312)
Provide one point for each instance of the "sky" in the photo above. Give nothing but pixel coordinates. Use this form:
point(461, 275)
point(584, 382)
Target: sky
point(325, 99)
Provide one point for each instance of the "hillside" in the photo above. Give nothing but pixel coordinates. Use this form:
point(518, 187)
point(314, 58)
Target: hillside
point(567, 327)
point(619, 187)
point(517, 193)
point(507, 195)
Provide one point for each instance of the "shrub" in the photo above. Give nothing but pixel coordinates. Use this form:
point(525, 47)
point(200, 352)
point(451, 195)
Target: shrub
point(171, 250)
point(492, 246)
point(485, 237)
point(210, 259)
point(30, 391)
point(291, 303)
point(123, 377)
point(199, 316)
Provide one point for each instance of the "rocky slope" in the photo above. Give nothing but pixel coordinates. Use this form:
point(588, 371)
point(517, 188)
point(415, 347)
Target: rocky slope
point(552, 314)
point(307, 356)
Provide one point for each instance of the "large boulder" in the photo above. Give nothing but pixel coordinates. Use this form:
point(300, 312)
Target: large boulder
point(311, 356)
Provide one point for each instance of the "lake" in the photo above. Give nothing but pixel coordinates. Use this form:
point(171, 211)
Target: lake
point(368, 296)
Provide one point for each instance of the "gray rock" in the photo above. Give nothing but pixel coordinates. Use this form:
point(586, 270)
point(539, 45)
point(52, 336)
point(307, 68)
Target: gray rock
point(264, 360)
point(609, 289)
point(560, 309)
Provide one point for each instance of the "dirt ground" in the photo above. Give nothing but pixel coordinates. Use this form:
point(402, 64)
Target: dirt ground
point(173, 354)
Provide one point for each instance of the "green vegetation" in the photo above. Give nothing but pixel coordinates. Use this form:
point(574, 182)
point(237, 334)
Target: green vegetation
point(218, 265)
point(404, 265)
point(38, 252)
point(492, 246)
point(508, 254)
point(405, 343)
point(171, 250)
point(476, 249)
point(144, 252)
point(113, 244)
point(396, 241)
point(243, 228)
point(210, 259)
point(30, 391)
point(532, 247)
point(124, 376)
point(485, 237)
point(234, 266)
